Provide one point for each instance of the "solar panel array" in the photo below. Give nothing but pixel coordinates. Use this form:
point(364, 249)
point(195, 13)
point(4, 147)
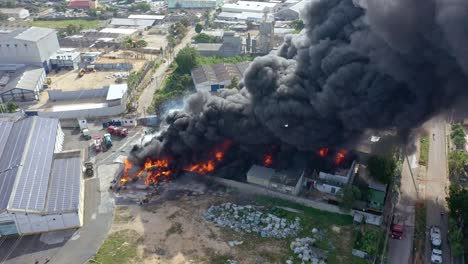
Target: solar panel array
point(64, 188)
point(11, 155)
point(31, 189)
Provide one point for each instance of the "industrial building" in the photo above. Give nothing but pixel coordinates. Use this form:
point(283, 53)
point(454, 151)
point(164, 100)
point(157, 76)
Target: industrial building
point(42, 188)
point(193, 4)
point(292, 12)
point(142, 24)
point(157, 18)
point(28, 46)
point(21, 85)
point(65, 58)
point(83, 4)
point(231, 46)
point(251, 6)
point(210, 78)
point(16, 13)
point(289, 182)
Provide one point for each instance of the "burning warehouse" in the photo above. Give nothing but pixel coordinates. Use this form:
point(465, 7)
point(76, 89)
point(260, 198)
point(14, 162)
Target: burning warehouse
point(352, 69)
point(42, 188)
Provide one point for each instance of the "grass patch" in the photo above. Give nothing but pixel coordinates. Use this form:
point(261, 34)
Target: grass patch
point(119, 247)
point(219, 259)
point(176, 228)
point(338, 244)
point(215, 60)
point(318, 217)
point(419, 230)
point(61, 24)
point(424, 150)
point(369, 239)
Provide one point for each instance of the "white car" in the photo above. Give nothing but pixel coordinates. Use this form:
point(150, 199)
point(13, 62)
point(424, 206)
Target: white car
point(436, 236)
point(436, 256)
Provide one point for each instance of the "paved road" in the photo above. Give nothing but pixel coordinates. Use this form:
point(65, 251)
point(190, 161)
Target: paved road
point(436, 181)
point(147, 95)
point(400, 251)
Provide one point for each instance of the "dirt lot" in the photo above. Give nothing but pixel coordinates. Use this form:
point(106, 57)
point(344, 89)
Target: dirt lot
point(155, 41)
point(172, 230)
point(69, 80)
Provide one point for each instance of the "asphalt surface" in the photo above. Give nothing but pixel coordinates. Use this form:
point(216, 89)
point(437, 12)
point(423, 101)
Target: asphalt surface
point(436, 182)
point(400, 251)
point(146, 96)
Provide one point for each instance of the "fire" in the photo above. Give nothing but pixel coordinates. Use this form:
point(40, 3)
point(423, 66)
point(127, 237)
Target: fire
point(126, 172)
point(323, 152)
point(267, 160)
point(202, 168)
point(340, 157)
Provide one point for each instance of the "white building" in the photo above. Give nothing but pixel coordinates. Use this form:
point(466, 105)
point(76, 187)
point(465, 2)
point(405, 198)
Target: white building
point(193, 4)
point(42, 188)
point(28, 46)
point(292, 12)
point(142, 24)
point(251, 6)
point(16, 13)
point(290, 182)
point(22, 84)
point(65, 58)
point(332, 183)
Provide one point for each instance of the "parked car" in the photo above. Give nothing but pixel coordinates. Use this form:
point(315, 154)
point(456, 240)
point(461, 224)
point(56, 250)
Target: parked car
point(436, 236)
point(436, 256)
point(397, 231)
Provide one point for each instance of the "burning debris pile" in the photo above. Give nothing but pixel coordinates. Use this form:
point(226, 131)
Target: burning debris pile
point(353, 68)
point(249, 219)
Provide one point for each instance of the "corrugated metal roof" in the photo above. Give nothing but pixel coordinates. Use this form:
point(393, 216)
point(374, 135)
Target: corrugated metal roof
point(219, 72)
point(65, 185)
point(150, 17)
point(123, 31)
point(208, 46)
point(116, 91)
point(34, 33)
point(11, 158)
point(261, 172)
point(30, 189)
point(30, 78)
point(132, 22)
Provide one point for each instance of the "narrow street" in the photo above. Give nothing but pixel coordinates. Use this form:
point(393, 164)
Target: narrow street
point(400, 251)
point(436, 181)
point(147, 95)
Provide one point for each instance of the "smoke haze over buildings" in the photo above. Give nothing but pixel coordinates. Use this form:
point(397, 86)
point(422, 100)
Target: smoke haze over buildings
point(379, 65)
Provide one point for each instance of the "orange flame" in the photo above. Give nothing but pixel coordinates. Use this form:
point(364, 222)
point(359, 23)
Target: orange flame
point(323, 152)
point(125, 175)
point(340, 157)
point(267, 160)
point(202, 168)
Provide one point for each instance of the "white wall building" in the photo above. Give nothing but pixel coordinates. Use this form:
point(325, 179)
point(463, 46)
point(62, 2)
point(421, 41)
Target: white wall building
point(16, 13)
point(251, 6)
point(193, 4)
point(30, 46)
point(210, 78)
point(332, 183)
point(42, 188)
point(21, 85)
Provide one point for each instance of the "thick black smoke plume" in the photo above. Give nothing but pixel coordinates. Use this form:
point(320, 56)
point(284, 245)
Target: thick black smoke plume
point(372, 65)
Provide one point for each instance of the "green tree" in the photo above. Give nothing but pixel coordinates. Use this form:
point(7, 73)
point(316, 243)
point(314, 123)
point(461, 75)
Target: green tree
point(234, 83)
point(381, 168)
point(72, 29)
point(11, 107)
point(142, 6)
point(457, 161)
point(348, 195)
point(204, 38)
point(140, 43)
point(457, 204)
point(186, 59)
point(458, 136)
point(455, 236)
point(198, 28)
point(185, 22)
point(298, 25)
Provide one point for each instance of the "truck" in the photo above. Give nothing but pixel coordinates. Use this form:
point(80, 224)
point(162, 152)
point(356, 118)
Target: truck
point(85, 134)
point(117, 131)
point(89, 171)
point(97, 143)
point(397, 228)
point(107, 141)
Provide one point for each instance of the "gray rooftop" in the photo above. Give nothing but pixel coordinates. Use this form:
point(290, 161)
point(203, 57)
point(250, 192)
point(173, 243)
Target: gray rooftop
point(289, 178)
point(260, 172)
point(11, 156)
point(26, 78)
point(65, 185)
point(218, 72)
point(33, 177)
point(116, 91)
point(132, 22)
point(208, 46)
point(34, 33)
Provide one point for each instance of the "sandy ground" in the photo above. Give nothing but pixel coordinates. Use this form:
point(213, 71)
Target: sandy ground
point(155, 41)
point(174, 231)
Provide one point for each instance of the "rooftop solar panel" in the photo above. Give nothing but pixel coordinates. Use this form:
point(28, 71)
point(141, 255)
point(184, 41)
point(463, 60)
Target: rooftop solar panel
point(64, 190)
point(11, 158)
point(31, 189)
